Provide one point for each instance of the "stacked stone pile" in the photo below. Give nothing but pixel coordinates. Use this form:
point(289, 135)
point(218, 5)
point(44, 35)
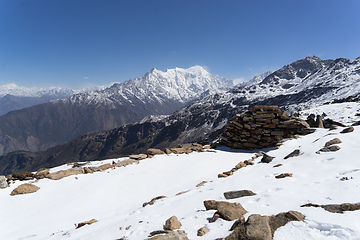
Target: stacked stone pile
point(262, 126)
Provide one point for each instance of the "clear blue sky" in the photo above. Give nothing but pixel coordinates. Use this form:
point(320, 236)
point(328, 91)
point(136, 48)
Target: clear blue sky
point(73, 43)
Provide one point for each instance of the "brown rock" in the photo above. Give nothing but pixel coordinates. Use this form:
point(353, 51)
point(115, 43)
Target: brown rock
point(230, 211)
point(221, 175)
point(215, 217)
point(332, 148)
point(126, 162)
point(23, 176)
point(65, 173)
point(240, 165)
point(347, 130)
point(168, 151)
point(294, 153)
point(42, 174)
point(173, 235)
point(180, 150)
point(202, 231)
point(154, 151)
point(138, 156)
point(24, 189)
point(105, 167)
point(283, 175)
point(172, 224)
point(210, 204)
point(87, 170)
point(319, 122)
point(79, 225)
point(266, 158)
point(332, 142)
point(201, 184)
point(238, 194)
point(152, 201)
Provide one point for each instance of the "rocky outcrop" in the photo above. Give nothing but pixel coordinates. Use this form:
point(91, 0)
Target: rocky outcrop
point(65, 173)
point(262, 126)
point(332, 142)
point(172, 224)
point(347, 130)
point(25, 188)
point(336, 208)
point(259, 227)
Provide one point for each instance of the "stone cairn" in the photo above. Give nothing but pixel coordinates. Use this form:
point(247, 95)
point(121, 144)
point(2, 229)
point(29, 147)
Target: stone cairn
point(261, 127)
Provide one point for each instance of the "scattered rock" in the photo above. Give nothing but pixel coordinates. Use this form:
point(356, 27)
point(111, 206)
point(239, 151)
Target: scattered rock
point(24, 189)
point(259, 227)
point(319, 122)
point(126, 162)
point(42, 174)
point(332, 142)
point(87, 170)
point(227, 211)
point(152, 201)
point(65, 173)
point(79, 225)
point(294, 153)
point(237, 223)
point(157, 232)
point(238, 194)
point(249, 162)
point(347, 130)
point(221, 175)
point(173, 235)
point(23, 176)
point(138, 157)
point(154, 151)
point(283, 175)
point(332, 148)
point(3, 182)
point(105, 166)
point(201, 184)
point(336, 208)
point(240, 165)
point(202, 231)
point(266, 158)
point(277, 165)
point(172, 224)
point(180, 193)
point(215, 217)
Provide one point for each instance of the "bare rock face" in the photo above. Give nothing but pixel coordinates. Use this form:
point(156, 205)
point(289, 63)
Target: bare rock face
point(23, 176)
point(261, 127)
point(25, 188)
point(172, 224)
point(259, 227)
point(138, 156)
point(3, 182)
point(42, 174)
point(105, 167)
point(65, 173)
point(238, 194)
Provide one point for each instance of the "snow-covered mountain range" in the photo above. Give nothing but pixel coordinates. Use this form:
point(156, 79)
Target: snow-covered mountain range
point(176, 85)
point(203, 120)
point(46, 125)
point(14, 97)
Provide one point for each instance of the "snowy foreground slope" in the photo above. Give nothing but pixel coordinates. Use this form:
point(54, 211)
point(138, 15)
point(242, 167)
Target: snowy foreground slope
point(115, 197)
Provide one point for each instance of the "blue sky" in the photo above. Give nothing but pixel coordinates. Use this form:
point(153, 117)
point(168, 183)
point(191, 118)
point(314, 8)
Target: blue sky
point(77, 43)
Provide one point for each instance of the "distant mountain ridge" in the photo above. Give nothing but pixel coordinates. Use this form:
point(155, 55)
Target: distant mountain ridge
point(14, 97)
point(46, 125)
point(300, 85)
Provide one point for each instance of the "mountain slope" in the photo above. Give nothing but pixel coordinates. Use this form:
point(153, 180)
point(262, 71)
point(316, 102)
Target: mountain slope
point(13, 97)
point(109, 197)
point(203, 120)
point(46, 125)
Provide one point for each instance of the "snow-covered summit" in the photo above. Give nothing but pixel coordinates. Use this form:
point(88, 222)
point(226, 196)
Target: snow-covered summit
point(177, 84)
